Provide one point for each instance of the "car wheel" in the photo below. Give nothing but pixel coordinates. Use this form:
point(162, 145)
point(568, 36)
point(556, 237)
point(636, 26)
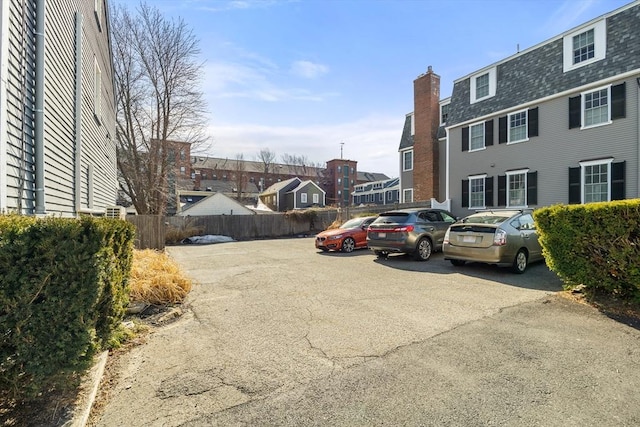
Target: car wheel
point(520, 262)
point(458, 262)
point(324, 249)
point(348, 245)
point(423, 250)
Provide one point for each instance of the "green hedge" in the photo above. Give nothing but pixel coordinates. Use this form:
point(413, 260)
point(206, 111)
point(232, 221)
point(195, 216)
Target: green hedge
point(63, 291)
point(596, 245)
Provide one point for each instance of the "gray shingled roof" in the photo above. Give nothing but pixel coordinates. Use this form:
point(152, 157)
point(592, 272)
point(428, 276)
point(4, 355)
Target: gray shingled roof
point(406, 141)
point(538, 72)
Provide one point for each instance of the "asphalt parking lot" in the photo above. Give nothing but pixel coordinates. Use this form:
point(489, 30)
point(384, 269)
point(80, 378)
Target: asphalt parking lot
point(278, 333)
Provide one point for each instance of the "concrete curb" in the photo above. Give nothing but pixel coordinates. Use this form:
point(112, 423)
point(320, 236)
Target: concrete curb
point(92, 383)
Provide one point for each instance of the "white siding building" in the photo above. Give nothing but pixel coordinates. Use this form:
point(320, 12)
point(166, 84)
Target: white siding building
point(57, 108)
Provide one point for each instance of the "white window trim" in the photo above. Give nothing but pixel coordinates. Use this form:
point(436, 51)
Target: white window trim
point(509, 175)
point(404, 192)
point(582, 107)
point(492, 84)
point(584, 164)
point(316, 198)
point(484, 189)
point(404, 153)
point(303, 197)
point(600, 48)
point(509, 141)
point(484, 146)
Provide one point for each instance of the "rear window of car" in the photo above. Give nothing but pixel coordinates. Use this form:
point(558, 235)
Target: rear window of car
point(486, 219)
point(392, 218)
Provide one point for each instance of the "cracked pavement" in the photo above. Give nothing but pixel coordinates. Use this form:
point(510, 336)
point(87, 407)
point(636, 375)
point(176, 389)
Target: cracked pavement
point(277, 333)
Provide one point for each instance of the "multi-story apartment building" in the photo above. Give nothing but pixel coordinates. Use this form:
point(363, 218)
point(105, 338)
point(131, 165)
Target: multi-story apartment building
point(57, 108)
point(384, 192)
point(556, 123)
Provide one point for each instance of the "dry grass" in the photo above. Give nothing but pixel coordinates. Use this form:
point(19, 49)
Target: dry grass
point(157, 279)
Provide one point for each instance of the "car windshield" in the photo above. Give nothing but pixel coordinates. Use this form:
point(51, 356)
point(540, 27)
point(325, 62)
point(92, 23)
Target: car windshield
point(353, 223)
point(486, 219)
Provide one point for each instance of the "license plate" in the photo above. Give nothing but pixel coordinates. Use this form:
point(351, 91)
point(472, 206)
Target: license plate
point(382, 235)
point(469, 239)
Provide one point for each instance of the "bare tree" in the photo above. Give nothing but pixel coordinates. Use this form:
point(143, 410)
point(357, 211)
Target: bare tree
point(267, 158)
point(240, 176)
point(158, 101)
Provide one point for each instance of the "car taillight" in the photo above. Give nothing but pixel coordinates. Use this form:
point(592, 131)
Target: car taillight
point(446, 238)
point(500, 238)
point(407, 228)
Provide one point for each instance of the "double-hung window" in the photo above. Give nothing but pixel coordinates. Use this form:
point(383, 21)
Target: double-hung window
point(596, 181)
point(407, 195)
point(482, 86)
point(517, 188)
point(407, 160)
point(476, 137)
point(303, 197)
point(596, 107)
point(476, 191)
point(584, 47)
point(518, 126)
point(97, 90)
point(316, 198)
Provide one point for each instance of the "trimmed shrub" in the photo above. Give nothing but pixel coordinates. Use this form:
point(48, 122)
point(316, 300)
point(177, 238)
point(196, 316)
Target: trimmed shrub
point(596, 245)
point(63, 290)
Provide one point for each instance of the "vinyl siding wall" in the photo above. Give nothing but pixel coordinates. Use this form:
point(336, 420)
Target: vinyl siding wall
point(552, 152)
point(98, 159)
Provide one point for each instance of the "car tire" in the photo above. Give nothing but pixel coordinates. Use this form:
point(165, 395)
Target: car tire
point(520, 262)
point(423, 250)
point(380, 254)
point(348, 245)
point(458, 262)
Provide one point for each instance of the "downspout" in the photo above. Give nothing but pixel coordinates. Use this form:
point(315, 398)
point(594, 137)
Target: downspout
point(638, 139)
point(77, 107)
point(446, 170)
point(39, 110)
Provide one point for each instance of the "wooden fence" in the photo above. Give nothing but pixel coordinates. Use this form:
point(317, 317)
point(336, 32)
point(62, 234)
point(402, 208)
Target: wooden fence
point(154, 231)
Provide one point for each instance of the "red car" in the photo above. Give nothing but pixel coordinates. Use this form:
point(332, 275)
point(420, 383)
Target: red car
point(349, 236)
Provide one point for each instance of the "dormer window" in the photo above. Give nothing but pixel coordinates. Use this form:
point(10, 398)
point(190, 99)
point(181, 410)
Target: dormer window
point(483, 85)
point(444, 113)
point(585, 46)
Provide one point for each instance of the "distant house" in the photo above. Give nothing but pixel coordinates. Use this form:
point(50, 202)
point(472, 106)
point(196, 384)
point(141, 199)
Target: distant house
point(383, 192)
point(293, 194)
point(56, 64)
point(198, 203)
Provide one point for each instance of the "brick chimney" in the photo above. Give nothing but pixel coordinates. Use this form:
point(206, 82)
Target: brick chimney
point(426, 110)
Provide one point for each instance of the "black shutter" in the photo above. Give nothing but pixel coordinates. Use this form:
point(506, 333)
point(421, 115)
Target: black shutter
point(533, 122)
point(617, 181)
point(575, 105)
point(465, 139)
point(574, 185)
point(532, 188)
point(465, 193)
point(618, 102)
point(502, 190)
point(488, 133)
point(502, 129)
point(488, 191)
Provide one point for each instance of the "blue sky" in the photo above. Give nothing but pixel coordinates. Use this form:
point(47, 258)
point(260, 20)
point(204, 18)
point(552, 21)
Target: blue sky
point(302, 77)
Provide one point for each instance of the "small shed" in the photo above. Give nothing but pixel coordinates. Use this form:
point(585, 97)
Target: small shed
point(214, 204)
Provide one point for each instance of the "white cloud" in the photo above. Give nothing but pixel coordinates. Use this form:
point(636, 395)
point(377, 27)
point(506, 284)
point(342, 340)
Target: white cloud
point(371, 141)
point(308, 69)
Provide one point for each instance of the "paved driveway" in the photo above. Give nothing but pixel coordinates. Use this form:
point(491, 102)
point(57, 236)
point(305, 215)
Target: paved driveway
point(280, 334)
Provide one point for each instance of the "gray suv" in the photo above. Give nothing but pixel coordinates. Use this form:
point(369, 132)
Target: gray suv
point(418, 232)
